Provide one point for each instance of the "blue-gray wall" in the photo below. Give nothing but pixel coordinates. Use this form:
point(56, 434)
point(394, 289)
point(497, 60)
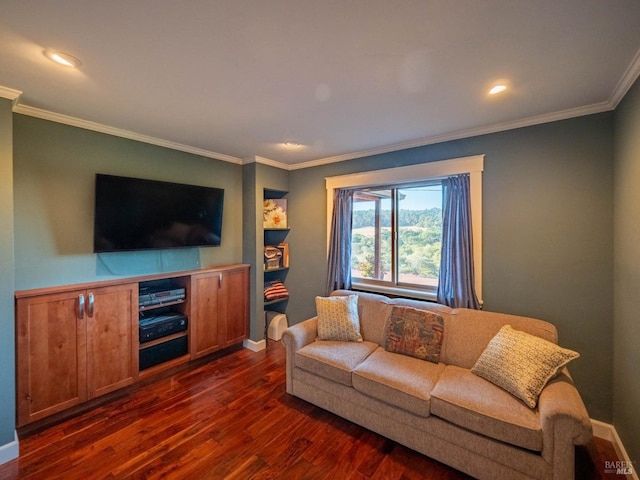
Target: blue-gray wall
point(626, 326)
point(54, 175)
point(548, 241)
point(7, 339)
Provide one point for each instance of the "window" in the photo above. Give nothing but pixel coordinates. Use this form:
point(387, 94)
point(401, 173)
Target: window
point(397, 225)
point(396, 236)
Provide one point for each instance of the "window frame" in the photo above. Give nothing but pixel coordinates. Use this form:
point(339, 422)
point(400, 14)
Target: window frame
point(412, 174)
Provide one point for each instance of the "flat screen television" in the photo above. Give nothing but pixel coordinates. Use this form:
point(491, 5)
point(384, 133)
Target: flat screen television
point(138, 214)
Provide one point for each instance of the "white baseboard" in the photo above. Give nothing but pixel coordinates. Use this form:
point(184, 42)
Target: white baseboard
point(608, 432)
point(254, 346)
point(10, 451)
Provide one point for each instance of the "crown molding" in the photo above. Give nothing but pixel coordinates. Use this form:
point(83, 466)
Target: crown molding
point(268, 161)
point(10, 94)
point(474, 132)
point(624, 85)
point(117, 132)
point(626, 82)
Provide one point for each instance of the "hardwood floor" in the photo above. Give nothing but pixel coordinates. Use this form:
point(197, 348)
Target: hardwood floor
point(228, 419)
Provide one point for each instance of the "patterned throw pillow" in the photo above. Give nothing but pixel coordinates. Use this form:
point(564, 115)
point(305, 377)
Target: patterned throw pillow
point(338, 318)
point(521, 363)
point(413, 332)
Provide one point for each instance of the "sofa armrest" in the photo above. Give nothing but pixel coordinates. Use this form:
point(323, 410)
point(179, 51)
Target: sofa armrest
point(565, 423)
point(301, 334)
point(294, 338)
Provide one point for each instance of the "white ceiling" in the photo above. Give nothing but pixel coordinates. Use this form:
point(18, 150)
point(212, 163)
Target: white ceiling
point(234, 79)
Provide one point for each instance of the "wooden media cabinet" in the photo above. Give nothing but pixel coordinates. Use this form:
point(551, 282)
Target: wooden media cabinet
point(78, 342)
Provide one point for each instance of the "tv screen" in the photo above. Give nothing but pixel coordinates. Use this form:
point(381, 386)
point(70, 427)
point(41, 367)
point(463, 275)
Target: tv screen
point(137, 214)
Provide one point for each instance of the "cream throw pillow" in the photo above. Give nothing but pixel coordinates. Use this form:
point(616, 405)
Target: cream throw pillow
point(521, 363)
point(338, 318)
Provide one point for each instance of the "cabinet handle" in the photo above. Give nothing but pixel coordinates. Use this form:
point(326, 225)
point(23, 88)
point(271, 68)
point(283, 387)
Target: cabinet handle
point(220, 280)
point(90, 309)
point(80, 306)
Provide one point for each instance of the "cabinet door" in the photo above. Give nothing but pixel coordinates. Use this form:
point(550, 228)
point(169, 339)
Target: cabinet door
point(234, 306)
point(50, 354)
point(112, 338)
point(204, 319)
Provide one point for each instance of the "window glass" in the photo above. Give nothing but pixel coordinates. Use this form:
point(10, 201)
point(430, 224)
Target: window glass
point(412, 215)
point(371, 248)
point(419, 234)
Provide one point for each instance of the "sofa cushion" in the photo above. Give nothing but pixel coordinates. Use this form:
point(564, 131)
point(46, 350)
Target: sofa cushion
point(333, 360)
point(520, 363)
point(471, 402)
point(413, 332)
point(338, 318)
point(398, 380)
point(468, 332)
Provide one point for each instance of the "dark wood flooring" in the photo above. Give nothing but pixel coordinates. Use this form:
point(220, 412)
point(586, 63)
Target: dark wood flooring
point(228, 419)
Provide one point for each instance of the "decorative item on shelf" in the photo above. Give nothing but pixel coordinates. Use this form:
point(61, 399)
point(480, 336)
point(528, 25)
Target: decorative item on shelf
point(272, 258)
point(275, 213)
point(275, 290)
point(284, 247)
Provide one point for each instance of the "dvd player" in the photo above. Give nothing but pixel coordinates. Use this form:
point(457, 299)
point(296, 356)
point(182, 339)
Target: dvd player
point(161, 297)
point(161, 326)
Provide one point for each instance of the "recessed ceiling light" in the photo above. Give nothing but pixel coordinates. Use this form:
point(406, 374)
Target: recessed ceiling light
point(62, 58)
point(498, 89)
point(291, 144)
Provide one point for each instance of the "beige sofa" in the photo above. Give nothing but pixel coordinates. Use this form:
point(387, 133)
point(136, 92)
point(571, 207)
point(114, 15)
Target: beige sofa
point(441, 410)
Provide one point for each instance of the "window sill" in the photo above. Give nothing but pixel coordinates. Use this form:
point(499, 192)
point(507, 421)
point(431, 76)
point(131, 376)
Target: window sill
point(396, 291)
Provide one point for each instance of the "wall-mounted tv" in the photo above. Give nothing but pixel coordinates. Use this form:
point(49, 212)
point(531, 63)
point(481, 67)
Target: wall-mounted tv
point(138, 214)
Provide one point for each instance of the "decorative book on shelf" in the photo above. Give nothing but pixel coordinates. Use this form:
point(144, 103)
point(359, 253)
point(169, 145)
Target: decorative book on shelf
point(275, 213)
